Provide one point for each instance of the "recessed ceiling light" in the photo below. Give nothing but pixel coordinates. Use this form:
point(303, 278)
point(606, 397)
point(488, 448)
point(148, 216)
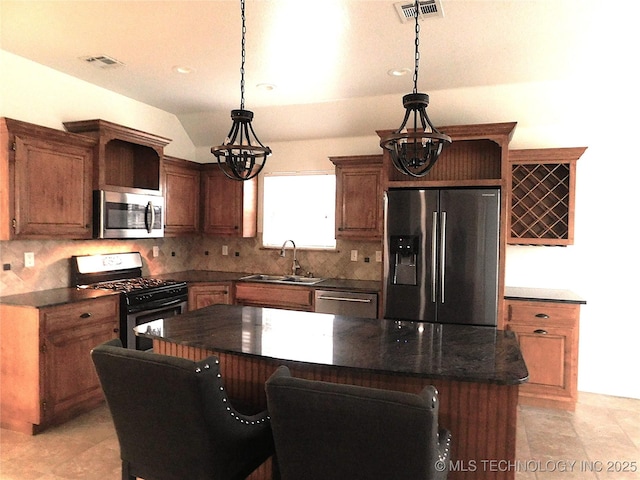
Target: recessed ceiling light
point(183, 70)
point(399, 72)
point(267, 87)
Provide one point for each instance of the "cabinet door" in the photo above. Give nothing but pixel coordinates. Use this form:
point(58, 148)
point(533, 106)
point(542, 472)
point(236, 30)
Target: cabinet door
point(545, 351)
point(278, 296)
point(230, 206)
point(181, 184)
point(71, 331)
point(201, 296)
point(52, 189)
point(358, 197)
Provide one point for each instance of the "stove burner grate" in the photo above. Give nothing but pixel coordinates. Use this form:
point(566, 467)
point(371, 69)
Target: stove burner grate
point(132, 284)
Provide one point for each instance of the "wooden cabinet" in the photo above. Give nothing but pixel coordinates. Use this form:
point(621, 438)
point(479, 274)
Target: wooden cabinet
point(47, 373)
point(476, 158)
point(276, 296)
point(542, 195)
point(181, 187)
point(548, 336)
point(358, 197)
point(126, 160)
point(45, 182)
point(204, 294)
point(230, 206)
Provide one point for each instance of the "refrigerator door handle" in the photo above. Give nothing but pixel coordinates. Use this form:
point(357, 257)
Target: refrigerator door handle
point(434, 256)
point(443, 239)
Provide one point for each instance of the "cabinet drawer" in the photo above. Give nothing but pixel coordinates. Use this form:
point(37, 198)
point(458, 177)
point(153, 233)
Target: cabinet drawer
point(205, 294)
point(77, 313)
point(542, 313)
point(281, 296)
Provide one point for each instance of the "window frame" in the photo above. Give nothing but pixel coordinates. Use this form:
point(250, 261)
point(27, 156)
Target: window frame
point(301, 244)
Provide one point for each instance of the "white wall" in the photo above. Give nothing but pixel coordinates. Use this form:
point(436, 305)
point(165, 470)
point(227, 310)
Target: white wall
point(592, 111)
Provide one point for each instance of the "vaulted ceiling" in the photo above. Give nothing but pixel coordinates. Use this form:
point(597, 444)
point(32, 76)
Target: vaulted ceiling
point(328, 59)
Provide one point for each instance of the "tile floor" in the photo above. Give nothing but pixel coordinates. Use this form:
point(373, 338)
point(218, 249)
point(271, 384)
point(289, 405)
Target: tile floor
point(602, 434)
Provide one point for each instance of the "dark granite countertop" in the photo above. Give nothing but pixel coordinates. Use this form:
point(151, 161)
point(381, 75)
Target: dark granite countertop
point(54, 297)
point(202, 276)
point(454, 352)
point(542, 295)
point(195, 276)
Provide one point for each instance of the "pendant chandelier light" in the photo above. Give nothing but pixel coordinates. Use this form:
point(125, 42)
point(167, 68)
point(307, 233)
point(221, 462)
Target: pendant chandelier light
point(414, 150)
point(242, 156)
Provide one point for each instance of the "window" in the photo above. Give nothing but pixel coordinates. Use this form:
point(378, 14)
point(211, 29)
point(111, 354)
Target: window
point(301, 208)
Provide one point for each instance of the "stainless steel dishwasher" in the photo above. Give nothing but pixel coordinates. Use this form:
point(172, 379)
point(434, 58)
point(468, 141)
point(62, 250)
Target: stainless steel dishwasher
point(347, 303)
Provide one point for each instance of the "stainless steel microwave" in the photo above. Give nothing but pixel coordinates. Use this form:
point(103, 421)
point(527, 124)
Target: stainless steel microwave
point(127, 215)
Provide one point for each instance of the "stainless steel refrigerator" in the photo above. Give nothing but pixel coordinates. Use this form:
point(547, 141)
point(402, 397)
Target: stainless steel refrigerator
point(441, 255)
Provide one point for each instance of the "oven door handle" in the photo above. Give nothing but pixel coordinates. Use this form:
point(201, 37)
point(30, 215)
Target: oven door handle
point(156, 306)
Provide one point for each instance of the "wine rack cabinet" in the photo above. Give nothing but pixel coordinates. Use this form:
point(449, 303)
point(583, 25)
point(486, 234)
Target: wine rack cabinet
point(542, 195)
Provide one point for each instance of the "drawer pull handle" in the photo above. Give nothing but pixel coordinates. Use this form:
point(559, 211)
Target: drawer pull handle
point(540, 331)
point(542, 315)
point(85, 315)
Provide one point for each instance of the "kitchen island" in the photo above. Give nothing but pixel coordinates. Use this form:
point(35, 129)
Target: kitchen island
point(477, 370)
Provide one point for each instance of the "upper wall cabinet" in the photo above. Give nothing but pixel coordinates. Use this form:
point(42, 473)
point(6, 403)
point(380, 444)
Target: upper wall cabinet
point(358, 197)
point(45, 182)
point(181, 187)
point(542, 195)
point(230, 206)
point(126, 160)
point(478, 156)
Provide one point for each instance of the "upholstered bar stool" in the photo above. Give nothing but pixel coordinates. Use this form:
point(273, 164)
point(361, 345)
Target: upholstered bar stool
point(173, 419)
point(344, 432)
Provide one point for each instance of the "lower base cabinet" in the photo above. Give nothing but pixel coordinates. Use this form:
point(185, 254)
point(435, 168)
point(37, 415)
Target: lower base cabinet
point(548, 337)
point(204, 294)
point(47, 374)
point(274, 296)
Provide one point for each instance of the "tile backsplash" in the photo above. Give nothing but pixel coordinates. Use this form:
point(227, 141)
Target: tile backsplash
point(52, 268)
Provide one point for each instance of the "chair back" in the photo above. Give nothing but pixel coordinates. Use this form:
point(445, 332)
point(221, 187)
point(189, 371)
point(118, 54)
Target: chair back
point(344, 432)
point(173, 419)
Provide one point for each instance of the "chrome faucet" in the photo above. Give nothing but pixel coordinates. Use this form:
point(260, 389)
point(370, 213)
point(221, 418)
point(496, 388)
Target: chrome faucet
point(295, 266)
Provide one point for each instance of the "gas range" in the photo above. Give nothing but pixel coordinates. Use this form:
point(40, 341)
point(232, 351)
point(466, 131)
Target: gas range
point(129, 285)
point(142, 299)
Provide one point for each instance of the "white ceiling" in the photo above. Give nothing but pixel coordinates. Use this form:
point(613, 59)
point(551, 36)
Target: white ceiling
point(328, 58)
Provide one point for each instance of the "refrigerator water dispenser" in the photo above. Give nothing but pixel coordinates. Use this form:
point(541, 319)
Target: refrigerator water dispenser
point(404, 251)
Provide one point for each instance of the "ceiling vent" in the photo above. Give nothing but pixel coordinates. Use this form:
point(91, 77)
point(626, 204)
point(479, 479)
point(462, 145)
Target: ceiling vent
point(427, 9)
point(103, 61)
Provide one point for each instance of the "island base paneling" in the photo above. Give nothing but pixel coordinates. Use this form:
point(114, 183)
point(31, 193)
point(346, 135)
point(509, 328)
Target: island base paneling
point(482, 417)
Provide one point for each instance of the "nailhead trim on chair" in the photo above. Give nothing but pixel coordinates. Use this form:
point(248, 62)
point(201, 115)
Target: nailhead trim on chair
point(224, 399)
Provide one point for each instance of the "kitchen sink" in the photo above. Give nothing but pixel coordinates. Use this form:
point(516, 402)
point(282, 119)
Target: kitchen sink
point(292, 279)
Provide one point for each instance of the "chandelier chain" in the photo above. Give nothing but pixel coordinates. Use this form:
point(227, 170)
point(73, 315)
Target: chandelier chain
point(244, 31)
point(417, 54)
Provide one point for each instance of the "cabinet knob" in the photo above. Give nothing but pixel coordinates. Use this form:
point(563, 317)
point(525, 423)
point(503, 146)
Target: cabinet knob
point(85, 315)
point(116, 330)
point(540, 331)
point(542, 315)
